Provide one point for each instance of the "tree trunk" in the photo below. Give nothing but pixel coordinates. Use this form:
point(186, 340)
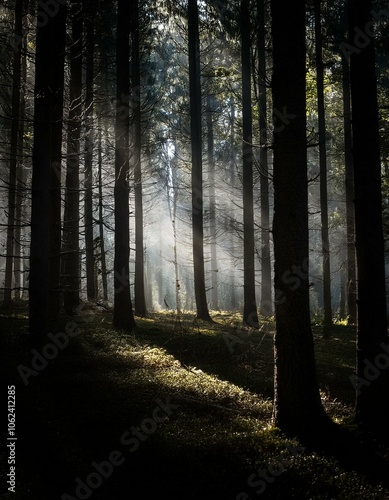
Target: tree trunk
point(232, 207)
point(212, 207)
point(71, 225)
point(13, 166)
point(50, 48)
point(297, 405)
point(101, 217)
point(197, 164)
point(323, 173)
point(123, 315)
point(266, 303)
point(140, 301)
point(250, 306)
point(349, 185)
point(88, 182)
point(372, 402)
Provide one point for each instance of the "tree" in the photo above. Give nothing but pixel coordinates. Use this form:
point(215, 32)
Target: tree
point(50, 49)
point(16, 82)
point(323, 172)
point(372, 402)
point(123, 315)
point(197, 164)
point(71, 225)
point(140, 301)
point(250, 305)
point(297, 406)
point(266, 304)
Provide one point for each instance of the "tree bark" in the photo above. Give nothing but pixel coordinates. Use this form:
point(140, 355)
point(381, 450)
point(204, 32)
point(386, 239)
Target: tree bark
point(323, 173)
point(123, 315)
point(266, 303)
point(372, 402)
point(140, 301)
point(297, 406)
point(250, 306)
point(50, 48)
point(197, 164)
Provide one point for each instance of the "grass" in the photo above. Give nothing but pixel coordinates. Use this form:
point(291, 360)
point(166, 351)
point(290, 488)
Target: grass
point(212, 441)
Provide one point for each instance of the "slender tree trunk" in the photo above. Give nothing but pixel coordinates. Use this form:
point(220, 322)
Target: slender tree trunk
point(232, 208)
point(16, 81)
point(266, 303)
point(212, 207)
point(197, 164)
point(140, 301)
point(50, 47)
point(88, 199)
point(323, 173)
point(71, 226)
point(123, 315)
point(372, 402)
point(349, 184)
point(297, 406)
point(250, 306)
point(101, 216)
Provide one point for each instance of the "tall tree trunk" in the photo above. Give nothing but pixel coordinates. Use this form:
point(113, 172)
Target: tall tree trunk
point(349, 185)
point(71, 225)
point(101, 215)
point(50, 48)
point(232, 207)
point(123, 315)
point(323, 173)
point(266, 304)
point(372, 402)
point(297, 405)
point(140, 301)
point(250, 306)
point(88, 199)
point(212, 206)
point(13, 166)
point(197, 164)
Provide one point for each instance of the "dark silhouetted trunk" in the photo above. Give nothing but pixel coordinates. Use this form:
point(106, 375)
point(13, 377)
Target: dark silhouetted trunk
point(323, 173)
point(372, 402)
point(88, 199)
point(123, 315)
point(197, 164)
point(13, 164)
point(49, 67)
point(140, 301)
point(101, 216)
point(297, 405)
point(250, 306)
point(349, 185)
point(212, 206)
point(266, 304)
point(71, 224)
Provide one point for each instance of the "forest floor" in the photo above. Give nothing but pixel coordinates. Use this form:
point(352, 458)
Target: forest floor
point(179, 410)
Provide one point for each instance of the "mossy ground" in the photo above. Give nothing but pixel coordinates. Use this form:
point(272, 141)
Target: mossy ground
point(219, 433)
